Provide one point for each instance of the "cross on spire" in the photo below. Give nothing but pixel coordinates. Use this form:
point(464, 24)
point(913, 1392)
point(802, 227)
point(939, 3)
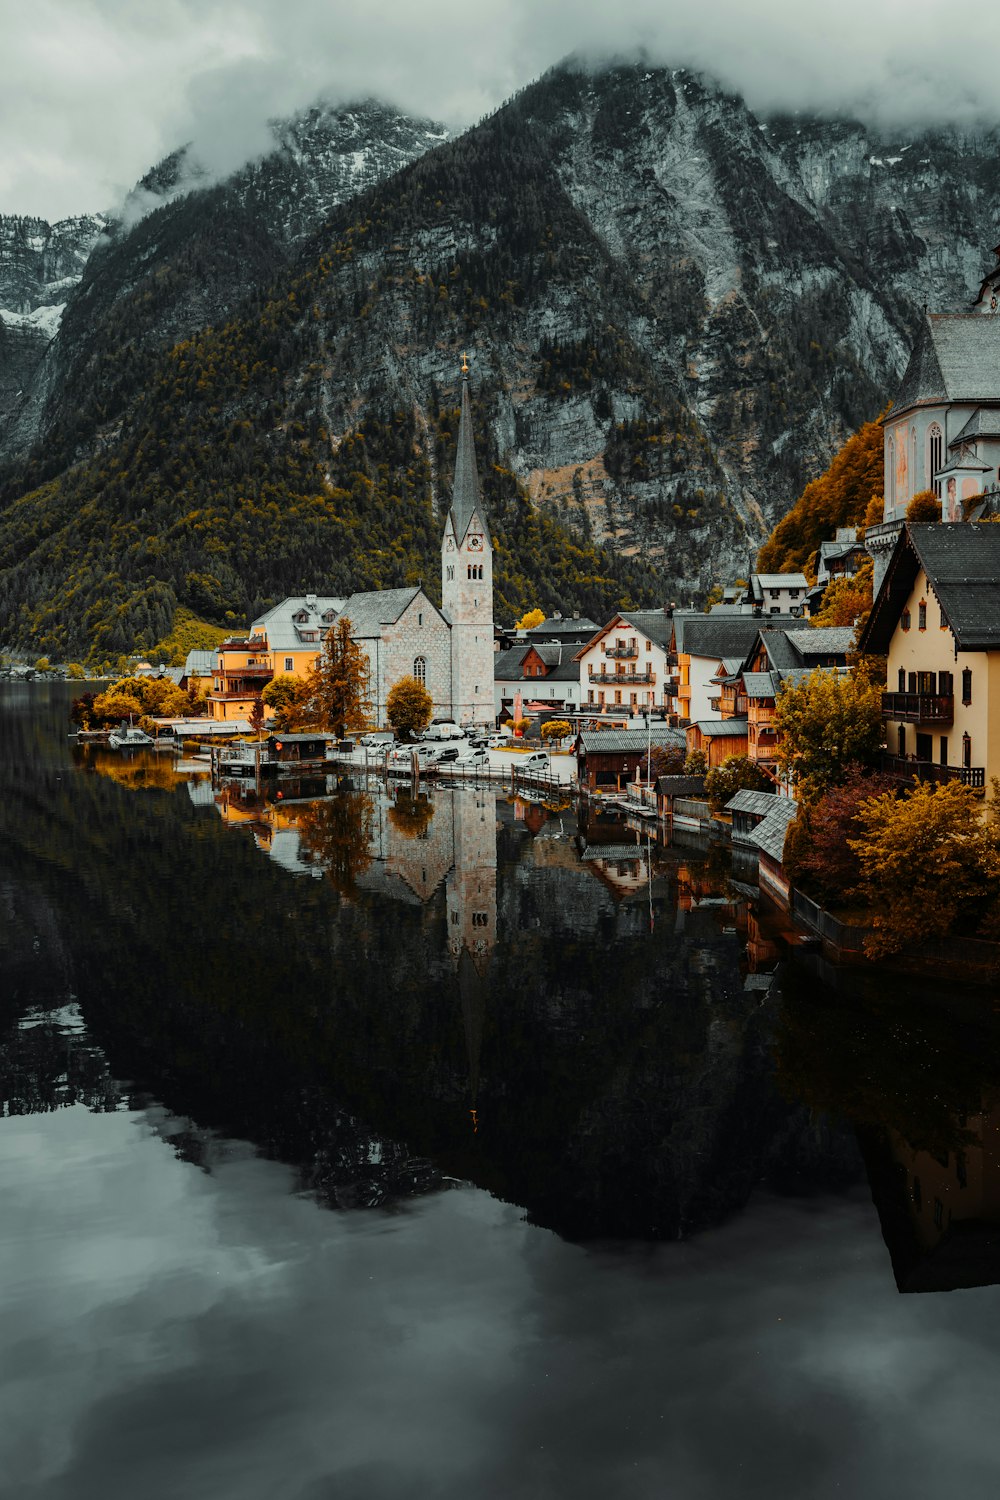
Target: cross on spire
point(465, 363)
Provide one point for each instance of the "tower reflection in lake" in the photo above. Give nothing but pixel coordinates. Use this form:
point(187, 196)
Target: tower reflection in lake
point(394, 991)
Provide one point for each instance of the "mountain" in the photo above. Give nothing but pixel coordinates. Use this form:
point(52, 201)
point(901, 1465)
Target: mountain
point(40, 264)
point(678, 312)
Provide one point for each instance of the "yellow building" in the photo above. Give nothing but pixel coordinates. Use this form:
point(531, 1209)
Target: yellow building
point(936, 618)
point(286, 640)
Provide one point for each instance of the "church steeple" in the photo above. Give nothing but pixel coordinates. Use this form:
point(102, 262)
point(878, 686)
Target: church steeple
point(466, 498)
point(467, 581)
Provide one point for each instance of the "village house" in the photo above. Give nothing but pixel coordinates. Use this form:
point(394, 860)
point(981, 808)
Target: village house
point(936, 620)
point(717, 739)
point(700, 643)
point(627, 665)
point(546, 674)
point(607, 758)
point(778, 656)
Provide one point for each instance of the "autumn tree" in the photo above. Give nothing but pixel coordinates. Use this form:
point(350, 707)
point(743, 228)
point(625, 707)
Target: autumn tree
point(925, 506)
point(817, 856)
point(409, 706)
point(256, 717)
point(340, 683)
point(736, 773)
point(847, 601)
point(695, 763)
point(336, 836)
point(289, 698)
point(925, 860)
point(828, 722)
point(665, 760)
point(530, 620)
point(556, 729)
point(839, 497)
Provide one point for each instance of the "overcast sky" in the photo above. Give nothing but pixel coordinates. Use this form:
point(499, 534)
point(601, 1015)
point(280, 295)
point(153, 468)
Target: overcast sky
point(95, 91)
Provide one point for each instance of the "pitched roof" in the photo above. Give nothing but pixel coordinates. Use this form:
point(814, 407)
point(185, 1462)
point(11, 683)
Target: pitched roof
point(279, 625)
point(782, 580)
point(466, 498)
point(715, 729)
point(507, 665)
point(562, 625)
point(962, 561)
point(199, 664)
point(680, 786)
point(627, 741)
point(722, 635)
point(822, 640)
point(984, 423)
point(777, 647)
point(652, 622)
point(769, 836)
point(751, 802)
point(368, 612)
point(760, 684)
point(955, 358)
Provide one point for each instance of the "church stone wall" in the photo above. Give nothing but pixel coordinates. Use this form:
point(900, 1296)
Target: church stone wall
point(419, 631)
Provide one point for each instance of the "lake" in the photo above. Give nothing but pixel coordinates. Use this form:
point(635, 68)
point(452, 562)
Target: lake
point(368, 1145)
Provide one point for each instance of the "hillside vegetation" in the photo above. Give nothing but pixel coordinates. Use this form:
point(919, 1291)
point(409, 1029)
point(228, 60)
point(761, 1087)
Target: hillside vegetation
point(839, 497)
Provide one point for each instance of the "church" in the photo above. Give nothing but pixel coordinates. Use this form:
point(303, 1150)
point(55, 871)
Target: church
point(402, 632)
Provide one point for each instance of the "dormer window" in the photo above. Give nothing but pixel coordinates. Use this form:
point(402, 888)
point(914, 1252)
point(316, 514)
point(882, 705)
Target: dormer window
point(301, 617)
point(329, 616)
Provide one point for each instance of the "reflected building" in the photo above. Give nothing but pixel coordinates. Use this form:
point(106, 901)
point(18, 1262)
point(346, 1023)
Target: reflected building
point(940, 1212)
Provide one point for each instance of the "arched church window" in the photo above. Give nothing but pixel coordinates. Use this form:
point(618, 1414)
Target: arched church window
point(890, 476)
point(933, 455)
point(420, 668)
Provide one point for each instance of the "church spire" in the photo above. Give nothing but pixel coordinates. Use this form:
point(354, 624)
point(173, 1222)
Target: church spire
point(465, 496)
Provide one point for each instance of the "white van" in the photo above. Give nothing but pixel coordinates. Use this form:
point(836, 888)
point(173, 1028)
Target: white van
point(443, 730)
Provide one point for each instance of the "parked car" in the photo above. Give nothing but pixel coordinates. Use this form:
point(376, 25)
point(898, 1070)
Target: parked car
point(498, 742)
point(476, 755)
point(382, 738)
point(538, 760)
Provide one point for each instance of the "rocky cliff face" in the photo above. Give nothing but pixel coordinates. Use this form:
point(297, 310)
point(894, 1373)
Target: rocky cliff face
point(677, 310)
point(184, 253)
point(40, 264)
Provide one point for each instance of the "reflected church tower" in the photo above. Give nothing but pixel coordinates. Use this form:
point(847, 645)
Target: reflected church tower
point(472, 914)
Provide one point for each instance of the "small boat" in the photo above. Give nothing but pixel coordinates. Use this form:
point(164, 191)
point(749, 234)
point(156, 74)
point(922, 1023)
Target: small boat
point(129, 737)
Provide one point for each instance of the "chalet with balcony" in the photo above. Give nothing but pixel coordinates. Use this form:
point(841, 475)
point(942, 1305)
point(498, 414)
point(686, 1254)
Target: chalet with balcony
point(545, 673)
point(779, 656)
point(286, 639)
point(701, 642)
point(627, 665)
point(936, 618)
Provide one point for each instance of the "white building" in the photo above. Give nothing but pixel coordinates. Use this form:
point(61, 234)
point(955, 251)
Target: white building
point(624, 666)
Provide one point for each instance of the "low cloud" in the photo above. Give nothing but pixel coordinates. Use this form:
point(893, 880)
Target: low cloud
point(96, 91)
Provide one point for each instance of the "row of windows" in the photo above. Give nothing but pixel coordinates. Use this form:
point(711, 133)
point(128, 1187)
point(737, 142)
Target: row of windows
point(941, 684)
point(475, 570)
point(926, 751)
point(906, 619)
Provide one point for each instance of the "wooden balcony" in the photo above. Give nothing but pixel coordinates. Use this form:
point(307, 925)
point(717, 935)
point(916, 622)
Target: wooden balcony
point(928, 770)
point(628, 679)
point(622, 652)
point(919, 708)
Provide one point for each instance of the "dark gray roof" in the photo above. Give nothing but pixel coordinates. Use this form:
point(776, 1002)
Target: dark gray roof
point(822, 640)
point(760, 684)
point(780, 652)
point(507, 664)
point(720, 635)
point(680, 786)
point(549, 651)
point(567, 670)
point(618, 853)
point(466, 498)
point(955, 358)
point(628, 741)
point(751, 802)
point(652, 622)
point(962, 561)
point(583, 628)
point(964, 466)
point(714, 729)
point(984, 423)
point(769, 836)
point(369, 612)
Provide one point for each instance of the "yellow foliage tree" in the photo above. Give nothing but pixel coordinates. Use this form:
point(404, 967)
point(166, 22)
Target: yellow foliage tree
point(847, 600)
point(925, 506)
point(531, 619)
point(827, 723)
point(409, 706)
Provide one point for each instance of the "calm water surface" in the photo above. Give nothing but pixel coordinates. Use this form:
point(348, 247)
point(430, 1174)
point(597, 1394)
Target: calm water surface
point(374, 1147)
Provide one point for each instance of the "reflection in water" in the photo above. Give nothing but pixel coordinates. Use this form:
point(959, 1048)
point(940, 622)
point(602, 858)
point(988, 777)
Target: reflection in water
point(224, 1015)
